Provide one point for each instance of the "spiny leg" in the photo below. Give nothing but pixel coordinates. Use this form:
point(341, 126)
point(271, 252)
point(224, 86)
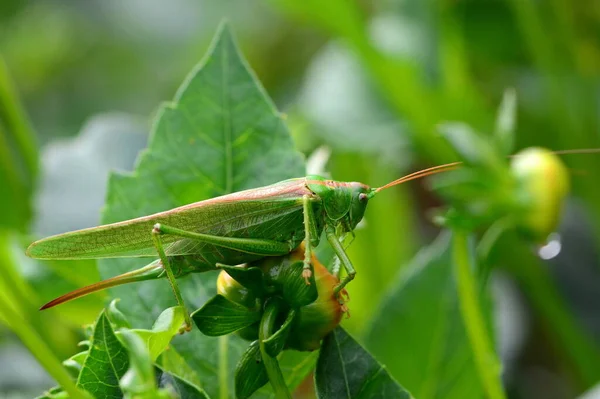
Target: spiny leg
point(254, 246)
point(310, 237)
point(342, 256)
point(248, 245)
point(164, 260)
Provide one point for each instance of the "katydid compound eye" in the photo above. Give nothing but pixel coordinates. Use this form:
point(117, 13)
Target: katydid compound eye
point(362, 197)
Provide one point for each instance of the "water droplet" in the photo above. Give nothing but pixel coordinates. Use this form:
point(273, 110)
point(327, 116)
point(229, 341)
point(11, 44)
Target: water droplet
point(552, 247)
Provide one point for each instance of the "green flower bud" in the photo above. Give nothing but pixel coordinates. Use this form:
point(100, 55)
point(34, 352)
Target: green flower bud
point(234, 291)
point(316, 320)
point(543, 184)
point(319, 311)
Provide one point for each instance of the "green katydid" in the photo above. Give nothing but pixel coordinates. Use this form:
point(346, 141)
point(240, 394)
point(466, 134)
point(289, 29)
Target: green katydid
point(232, 229)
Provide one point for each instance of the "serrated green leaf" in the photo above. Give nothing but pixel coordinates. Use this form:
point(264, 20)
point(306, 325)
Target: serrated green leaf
point(105, 364)
point(220, 134)
point(250, 372)
point(346, 370)
point(220, 316)
point(419, 334)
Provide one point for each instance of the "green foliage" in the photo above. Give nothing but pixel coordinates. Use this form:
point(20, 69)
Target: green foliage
point(121, 364)
point(221, 134)
point(346, 370)
point(105, 363)
point(250, 373)
point(219, 316)
point(432, 331)
point(383, 77)
point(18, 157)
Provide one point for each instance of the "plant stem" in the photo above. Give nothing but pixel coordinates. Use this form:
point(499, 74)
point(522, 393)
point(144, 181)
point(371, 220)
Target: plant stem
point(39, 349)
point(273, 371)
point(16, 122)
point(12, 307)
point(485, 356)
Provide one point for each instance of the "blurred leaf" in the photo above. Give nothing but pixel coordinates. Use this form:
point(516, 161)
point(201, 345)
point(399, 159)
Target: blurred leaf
point(138, 381)
point(164, 329)
point(106, 362)
point(171, 360)
point(54, 393)
point(220, 316)
point(182, 388)
point(74, 171)
point(388, 218)
point(221, 134)
point(338, 99)
point(471, 147)
point(420, 319)
point(346, 370)
point(504, 134)
point(74, 364)
point(143, 380)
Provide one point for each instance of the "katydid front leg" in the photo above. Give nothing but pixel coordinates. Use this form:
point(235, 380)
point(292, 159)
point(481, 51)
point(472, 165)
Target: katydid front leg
point(311, 237)
point(342, 256)
point(164, 260)
point(247, 245)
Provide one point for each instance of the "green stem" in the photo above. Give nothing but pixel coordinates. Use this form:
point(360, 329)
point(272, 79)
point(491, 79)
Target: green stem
point(265, 331)
point(485, 356)
point(39, 349)
point(16, 121)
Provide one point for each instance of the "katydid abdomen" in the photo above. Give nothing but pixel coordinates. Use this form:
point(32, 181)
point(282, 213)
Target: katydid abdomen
point(272, 213)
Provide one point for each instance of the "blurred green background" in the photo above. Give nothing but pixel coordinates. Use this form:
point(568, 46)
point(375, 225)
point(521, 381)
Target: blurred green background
point(366, 81)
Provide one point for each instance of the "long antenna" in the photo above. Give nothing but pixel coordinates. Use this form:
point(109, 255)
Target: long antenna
point(578, 151)
point(454, 165)
point(419, 174)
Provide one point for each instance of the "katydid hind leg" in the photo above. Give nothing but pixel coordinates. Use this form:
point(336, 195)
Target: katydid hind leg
point(343, 257)
point(164, 260)
point(254, 246)
point(311, 237)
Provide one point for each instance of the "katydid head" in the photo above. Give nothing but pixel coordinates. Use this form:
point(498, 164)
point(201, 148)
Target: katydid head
point(342, 201)
point(346, 202)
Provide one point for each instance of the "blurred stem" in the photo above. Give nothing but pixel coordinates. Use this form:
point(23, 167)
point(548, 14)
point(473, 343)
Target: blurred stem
point(39, 349)
point(223, 370)
point(16, 121)
point(485, 356)
point(265, 331)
